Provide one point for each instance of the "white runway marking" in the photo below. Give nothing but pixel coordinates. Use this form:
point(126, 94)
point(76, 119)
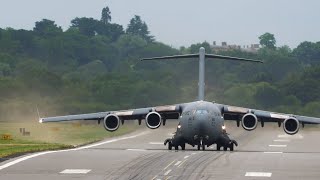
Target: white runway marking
point(135, 149)
point(272, 152)
point(75, 171)
point(281, 140)
point(67, 150)
point(194, 153)
point(166, 173)
point(156, 143)
point(177, 163)
point(296, 136)
point(258, 174)
point(186, 157)
point(277, 145)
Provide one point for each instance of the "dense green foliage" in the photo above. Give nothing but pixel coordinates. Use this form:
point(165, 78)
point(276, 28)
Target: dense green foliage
point(94, 66)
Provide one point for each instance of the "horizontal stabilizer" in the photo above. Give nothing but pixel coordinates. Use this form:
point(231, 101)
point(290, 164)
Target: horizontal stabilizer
point(197, 55)
point(172, 57)
point(231, 58)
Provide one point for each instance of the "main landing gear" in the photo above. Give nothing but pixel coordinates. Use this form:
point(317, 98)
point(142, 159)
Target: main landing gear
point(225, 142)
point(171, 144)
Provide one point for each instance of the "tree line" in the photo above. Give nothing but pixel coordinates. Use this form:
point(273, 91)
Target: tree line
point(94, 66)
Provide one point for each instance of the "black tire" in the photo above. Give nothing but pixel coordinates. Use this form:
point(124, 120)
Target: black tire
point(199, 147)
point(231, 147)
point(169, 146)
point(176, 148)
point(218, 147)
point(225, 148)
point(183, 146)
point(203, 147)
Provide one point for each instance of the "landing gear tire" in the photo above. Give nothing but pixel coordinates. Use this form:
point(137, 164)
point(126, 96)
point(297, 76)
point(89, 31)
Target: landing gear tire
point(203, 147)
point(225, 148)
point(199, 147)
point(218, 147)
point(176, 147)
point(231, 147)
point(183, 146)
point(169, 146)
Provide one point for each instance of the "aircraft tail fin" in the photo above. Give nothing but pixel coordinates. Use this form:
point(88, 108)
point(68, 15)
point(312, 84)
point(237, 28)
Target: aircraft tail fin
point(202, 55)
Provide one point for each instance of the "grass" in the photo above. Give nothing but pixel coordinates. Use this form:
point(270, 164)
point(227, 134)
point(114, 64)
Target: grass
point(52, 136)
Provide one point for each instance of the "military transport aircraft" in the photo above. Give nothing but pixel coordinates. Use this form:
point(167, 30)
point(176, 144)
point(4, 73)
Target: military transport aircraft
point(201, 123)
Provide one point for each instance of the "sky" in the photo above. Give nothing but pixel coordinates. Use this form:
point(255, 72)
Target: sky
point(183, 22)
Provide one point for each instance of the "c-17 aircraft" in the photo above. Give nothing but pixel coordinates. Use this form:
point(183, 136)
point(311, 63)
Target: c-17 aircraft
point(201, 123)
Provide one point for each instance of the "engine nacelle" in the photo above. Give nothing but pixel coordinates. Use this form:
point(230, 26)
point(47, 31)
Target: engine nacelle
point(153, 120)
point(291, 126)
point(249, 121)
point(111, 122)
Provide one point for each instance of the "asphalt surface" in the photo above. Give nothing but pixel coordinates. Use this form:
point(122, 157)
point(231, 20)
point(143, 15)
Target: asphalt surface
point(265, 153)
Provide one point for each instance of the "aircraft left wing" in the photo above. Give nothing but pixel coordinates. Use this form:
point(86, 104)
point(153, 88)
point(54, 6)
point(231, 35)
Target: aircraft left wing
point(154, 116)
point(249, 118)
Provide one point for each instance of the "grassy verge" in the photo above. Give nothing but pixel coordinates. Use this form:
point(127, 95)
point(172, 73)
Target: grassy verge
point(52, 136)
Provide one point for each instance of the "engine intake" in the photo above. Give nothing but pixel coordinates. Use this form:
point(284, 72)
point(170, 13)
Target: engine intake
point(111, 122)
point(153, 120)
point(291, 126)
point(249, 121)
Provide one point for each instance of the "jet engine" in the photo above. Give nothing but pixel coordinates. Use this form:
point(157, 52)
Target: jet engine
point(291, 126)
point(153, 120)
point(249, 121)
point(111, 122)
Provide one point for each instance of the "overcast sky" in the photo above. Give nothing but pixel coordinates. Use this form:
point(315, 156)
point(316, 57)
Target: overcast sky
point(183, 22)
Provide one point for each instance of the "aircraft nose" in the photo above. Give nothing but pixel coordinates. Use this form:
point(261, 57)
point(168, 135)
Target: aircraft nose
point(201, 123)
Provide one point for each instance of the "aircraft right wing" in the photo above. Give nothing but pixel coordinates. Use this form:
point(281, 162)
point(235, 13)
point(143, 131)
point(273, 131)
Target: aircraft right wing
point(249, 118)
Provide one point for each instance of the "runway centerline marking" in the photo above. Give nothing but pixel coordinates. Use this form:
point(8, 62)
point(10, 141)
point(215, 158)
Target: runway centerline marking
point(273, 152)
point(166, 173)
point(177, 163)
point(136, 150)
point(281, 140)
point(258, 174)
point(156, 143)
point(75, 171)
point(277, 145)
point(186, 157)
point(67, 150)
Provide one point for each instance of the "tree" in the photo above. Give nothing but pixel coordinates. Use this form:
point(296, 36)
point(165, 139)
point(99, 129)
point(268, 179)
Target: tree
point(308, 52)
point(139, 28)
point(46, 27)
point(105, 15)
point(86, 26)
point(268, 40)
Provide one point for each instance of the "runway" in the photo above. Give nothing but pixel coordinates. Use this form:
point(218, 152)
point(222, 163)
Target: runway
point(265, 153)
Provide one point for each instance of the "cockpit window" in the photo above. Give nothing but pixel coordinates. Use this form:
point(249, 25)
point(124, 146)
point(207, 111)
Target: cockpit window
point(202, 111)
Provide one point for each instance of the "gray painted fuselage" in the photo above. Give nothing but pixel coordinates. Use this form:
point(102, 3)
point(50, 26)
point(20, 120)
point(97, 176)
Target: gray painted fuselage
point(201, 121)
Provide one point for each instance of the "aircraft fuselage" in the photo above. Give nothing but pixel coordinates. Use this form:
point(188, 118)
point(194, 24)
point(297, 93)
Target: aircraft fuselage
point(201, 122)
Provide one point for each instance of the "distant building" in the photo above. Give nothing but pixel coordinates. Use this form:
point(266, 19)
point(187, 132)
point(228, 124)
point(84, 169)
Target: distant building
point(253, 48)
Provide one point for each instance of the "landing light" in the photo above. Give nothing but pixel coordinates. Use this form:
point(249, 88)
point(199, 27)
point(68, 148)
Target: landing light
point(223, 127)
point(179, 126)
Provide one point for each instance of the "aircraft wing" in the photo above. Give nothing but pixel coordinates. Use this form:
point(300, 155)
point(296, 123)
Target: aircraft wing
point(236, 113)
point(166, 112)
